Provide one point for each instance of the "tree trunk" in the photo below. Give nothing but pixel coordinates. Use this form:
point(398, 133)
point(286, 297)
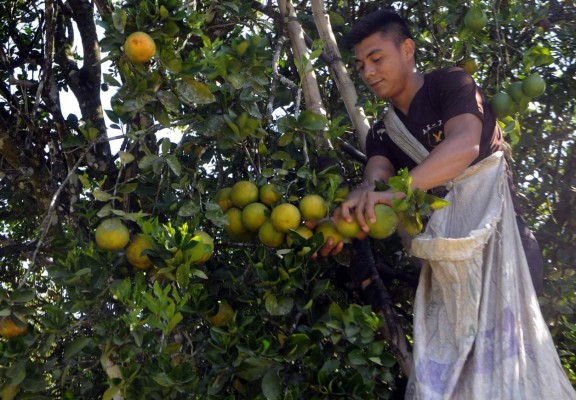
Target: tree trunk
point(339, 72)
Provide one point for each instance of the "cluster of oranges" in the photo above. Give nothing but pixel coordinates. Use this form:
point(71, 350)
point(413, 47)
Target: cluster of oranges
point(264, 213)
point(113, 235)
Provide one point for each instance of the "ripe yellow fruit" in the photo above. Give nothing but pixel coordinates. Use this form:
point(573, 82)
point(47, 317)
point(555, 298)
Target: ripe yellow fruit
point(222, 198)
point(303, 231)
point(313, 207)
point(533, 86)
point(134, 252)
point(223, 316)
point(470, 66)
point(112, 234)
point(13, 325)
point(348, 229)
point(203, 250)
point(139, 47)
point(235, 226)
point(244, 193)
point(285, 216)
point(269, 194)
point(328, 230)
point(386, 222)
point(254, 215)
point(270, 236)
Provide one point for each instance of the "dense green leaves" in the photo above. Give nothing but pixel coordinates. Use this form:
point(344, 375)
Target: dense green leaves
point(220, 102)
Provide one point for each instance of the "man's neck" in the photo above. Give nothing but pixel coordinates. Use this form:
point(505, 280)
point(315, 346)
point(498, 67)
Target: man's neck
point(413, 84)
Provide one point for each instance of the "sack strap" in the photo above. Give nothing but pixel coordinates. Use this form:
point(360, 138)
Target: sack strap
point(402, 137)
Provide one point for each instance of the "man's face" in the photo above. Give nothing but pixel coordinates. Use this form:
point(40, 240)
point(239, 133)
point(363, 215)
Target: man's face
point(384, 66)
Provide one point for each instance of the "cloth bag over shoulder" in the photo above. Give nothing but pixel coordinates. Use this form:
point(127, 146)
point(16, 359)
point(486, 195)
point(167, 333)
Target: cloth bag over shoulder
point(478, 330)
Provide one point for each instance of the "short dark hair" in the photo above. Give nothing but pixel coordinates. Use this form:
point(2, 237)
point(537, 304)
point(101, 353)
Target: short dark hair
point(386, 21)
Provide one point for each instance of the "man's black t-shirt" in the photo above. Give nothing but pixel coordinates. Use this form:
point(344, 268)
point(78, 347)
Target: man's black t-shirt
point(445, 93)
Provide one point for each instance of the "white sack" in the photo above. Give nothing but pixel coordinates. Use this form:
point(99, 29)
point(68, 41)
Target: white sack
point(478, 330)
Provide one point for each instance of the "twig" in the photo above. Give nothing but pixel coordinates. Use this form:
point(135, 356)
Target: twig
point(44, 227)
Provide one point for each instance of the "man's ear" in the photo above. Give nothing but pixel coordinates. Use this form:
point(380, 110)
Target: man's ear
point(408, 48)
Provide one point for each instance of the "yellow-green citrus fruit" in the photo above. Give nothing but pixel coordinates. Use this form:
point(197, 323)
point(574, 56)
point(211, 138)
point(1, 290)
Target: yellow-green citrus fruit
point(269, 194)
point(501, 104)
point(303, 231)
point(412, 224)
point(285, 216)
point(12, 326)
point(348, 229)
point(112, 234)
point(234, 226)
point(328, 230)
point(533, 86)
point(270, 236)
point(203, 250)
point(139, 47)
point(313, 207)
point(134, 252)
point(222, 198)
point(516, 92)
point(223, 316)
point(475, 19)
point(470, 66)
point(254, 215)
point(341, 193)
point(244, 193)
point(386, 222)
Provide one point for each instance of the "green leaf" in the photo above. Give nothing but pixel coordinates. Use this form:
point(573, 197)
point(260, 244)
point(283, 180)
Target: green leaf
point(17, 372)
point(195, 92)
point(75, 347)
point(286, 139)
point(253, 368)
point(119, 19)
point(311, 120)
point(271, 385)
point(168, 100)
point(22, 295)
point(174, 164)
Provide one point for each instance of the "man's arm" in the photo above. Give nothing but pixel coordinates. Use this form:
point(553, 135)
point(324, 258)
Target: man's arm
point(460, 148)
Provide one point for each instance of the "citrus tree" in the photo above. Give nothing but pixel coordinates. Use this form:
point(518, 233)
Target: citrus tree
point(159, 158)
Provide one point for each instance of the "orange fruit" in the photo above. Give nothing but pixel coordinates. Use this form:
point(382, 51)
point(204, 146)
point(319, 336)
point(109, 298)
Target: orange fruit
point(285, 216)
point(223, 316)
point(303, 231)
point(139, 47)
point(348, 229)
point(516, 92)
point(222, 198)
point(386, 222)
point(235, 226)
point(313, 207)
point(533, 86)
point(269, 194)
point(270, 236)
point(470, 66)
point(134, 252)
point(112, 234)
point(203, 250)
point(254, 215)
point(244, 193)
point(475, 19)
point(501, 104)
point(13, 325)
point(328, 230)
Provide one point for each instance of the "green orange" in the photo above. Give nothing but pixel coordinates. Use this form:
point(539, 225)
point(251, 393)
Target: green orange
point(385, 224)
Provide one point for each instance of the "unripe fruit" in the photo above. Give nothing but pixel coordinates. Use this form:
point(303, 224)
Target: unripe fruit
point(533, 86)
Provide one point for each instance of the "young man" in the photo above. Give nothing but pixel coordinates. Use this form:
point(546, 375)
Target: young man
point(478, 331)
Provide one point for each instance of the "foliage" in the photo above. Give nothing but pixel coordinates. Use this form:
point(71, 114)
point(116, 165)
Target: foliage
point(214, 106)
